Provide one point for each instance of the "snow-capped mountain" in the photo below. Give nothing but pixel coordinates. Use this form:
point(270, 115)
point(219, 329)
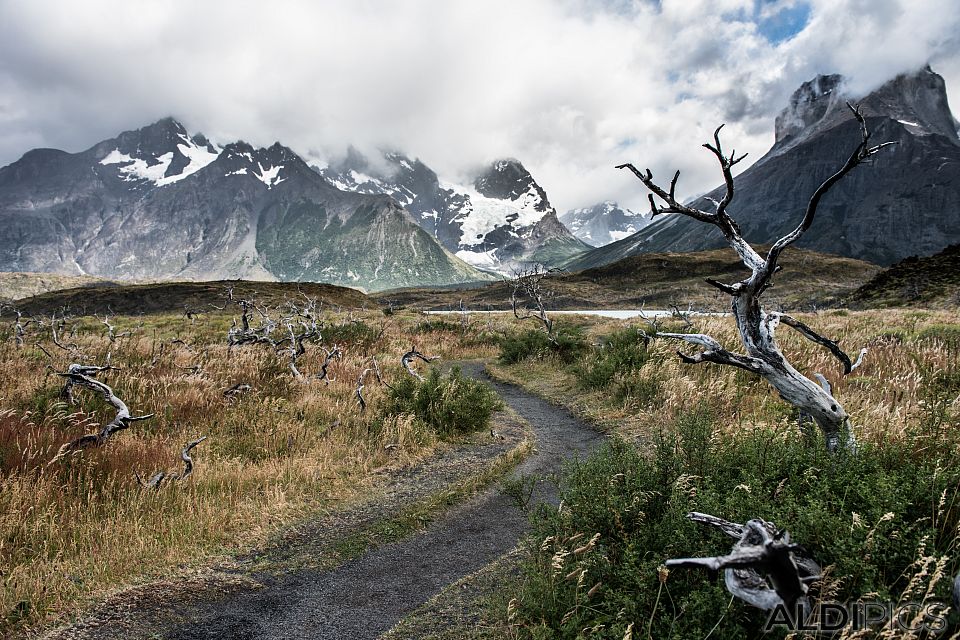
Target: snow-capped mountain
point(904, 202)
point(603, 223)
point(499, 220)
point(162, 155)
point(159, 203)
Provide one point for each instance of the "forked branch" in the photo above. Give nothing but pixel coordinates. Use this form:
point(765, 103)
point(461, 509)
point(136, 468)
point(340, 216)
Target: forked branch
point(764, 568)
point(407, 361)
point(122, 420)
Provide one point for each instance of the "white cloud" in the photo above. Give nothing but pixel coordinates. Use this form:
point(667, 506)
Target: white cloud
point(570, 87)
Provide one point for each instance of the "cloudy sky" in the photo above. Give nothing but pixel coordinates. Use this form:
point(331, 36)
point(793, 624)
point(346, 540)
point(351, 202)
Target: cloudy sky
point(570, 87)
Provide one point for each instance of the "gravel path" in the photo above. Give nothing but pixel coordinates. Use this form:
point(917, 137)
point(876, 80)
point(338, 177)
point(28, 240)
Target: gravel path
point(368, 595)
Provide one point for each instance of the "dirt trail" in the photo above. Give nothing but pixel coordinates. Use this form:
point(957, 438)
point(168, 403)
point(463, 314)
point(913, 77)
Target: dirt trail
point(368, 595)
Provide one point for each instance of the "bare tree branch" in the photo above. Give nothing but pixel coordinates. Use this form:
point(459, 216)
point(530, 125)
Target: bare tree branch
point(331, 355)
point(122, 420)
point(407, 361)
point(762, 553)
point(860, 153)
point(360, 384)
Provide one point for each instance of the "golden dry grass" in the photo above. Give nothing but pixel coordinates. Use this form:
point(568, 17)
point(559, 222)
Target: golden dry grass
point(882, 396)
point(73, 529)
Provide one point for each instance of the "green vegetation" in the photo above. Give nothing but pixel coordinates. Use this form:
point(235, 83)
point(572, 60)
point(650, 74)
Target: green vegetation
point(884, 524)
point(448, 404)
point(931, 282)
point(869, 520)
point(661, 279)
point(567, 345)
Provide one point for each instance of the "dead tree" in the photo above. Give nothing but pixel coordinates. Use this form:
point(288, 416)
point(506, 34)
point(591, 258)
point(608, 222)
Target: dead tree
point(122, 420)
point(407, 361)
point(764, 569)
point(157, 479)
point(297, 321)
point(360, 385)
point(19, 329)
point(331, 355)
point(756, 326)
point(528, 283)
point(66, 394)
point(112, 335)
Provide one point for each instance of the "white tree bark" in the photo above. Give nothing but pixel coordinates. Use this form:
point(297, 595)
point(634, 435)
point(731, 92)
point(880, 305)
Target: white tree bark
point(122, 420)
point(757, 327)
point(764, 569)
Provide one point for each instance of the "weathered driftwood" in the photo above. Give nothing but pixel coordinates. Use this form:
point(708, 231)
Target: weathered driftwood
point(329, 357)
point(756, 326)
point(360, 385)
point(237, 390)
point(528, 283)
point(66, 393)
point(122, 420)
point(157, 479)
point(764, 568)
point(407, 361)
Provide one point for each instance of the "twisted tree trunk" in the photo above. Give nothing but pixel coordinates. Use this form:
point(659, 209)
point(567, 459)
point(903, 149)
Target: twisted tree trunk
point(757, 327)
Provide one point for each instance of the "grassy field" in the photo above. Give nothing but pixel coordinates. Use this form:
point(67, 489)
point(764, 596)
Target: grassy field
point(76, 528)
point(73, 530)
point(657, 281)
point(885, 524)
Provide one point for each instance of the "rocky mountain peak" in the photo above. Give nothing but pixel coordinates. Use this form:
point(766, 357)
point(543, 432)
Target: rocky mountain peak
point(508, 179)
point(917, 100)
point(808, 105)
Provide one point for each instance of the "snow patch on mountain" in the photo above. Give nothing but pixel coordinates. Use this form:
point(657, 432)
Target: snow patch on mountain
point(270, 176)
point(481, 215)
point(154, 169)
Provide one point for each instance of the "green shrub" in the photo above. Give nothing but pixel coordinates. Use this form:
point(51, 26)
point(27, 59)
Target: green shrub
point(447, 404)
point(946, 334)
point(434, 326)
point(355, 333)
point(568, 344)
point(867, 517)
point(620, 353)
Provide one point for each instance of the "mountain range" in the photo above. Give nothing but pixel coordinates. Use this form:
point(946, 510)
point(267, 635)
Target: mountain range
point(603, 223)
point(158, 203)
point(905, 202)
point(498, 221)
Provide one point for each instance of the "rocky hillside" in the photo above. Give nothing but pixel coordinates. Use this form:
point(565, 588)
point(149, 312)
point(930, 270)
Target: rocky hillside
point(932, 281)
point(158, 203)
point(499, 220)
point(658, 280)
point(603, 223)
point(905, 202)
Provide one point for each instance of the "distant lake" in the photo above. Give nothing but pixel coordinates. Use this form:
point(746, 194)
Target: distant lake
point(620, 314)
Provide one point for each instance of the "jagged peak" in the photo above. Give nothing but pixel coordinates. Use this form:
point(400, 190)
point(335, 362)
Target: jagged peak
point(916, 99)
point(507, 178)
point(809, 104)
